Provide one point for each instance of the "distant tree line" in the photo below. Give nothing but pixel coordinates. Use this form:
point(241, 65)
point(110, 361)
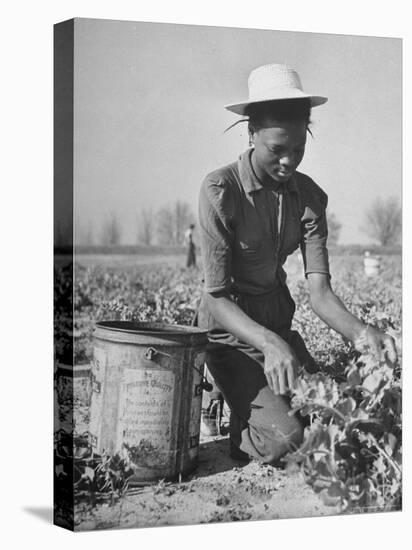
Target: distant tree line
point(383, 221)
point(166, 226)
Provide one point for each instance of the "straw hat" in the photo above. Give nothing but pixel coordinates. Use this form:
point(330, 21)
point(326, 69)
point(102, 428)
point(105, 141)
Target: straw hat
point(274, 82)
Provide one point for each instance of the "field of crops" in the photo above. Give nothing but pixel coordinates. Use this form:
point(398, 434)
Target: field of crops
point(351, 456)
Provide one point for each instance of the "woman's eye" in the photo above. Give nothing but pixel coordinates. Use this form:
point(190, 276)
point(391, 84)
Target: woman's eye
point(280, 151)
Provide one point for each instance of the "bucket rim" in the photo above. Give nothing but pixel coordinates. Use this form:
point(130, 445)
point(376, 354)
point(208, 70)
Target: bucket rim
point(153, 329)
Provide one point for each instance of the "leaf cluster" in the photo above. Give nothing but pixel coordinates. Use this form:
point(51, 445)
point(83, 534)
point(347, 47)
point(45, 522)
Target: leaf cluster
point(352, 451)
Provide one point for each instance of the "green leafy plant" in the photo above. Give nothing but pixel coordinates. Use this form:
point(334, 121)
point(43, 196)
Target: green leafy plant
point(352, 451)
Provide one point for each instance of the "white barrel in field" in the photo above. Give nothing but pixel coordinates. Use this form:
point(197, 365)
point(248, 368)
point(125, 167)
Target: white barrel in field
point(372, 265)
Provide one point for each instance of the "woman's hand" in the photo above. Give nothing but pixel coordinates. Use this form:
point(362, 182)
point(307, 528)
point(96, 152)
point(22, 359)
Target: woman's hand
point(330, 309)
point(280, 366)
point(381, 345)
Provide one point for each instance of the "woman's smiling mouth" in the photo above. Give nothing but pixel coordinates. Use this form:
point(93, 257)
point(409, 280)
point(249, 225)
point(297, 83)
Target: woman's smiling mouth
point(282, 174)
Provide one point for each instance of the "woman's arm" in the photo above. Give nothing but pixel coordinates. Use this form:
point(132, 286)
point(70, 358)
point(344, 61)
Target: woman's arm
point(280, 360)
point(332, 311)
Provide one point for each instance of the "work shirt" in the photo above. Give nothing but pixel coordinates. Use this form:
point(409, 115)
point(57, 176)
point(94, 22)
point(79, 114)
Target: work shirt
point(248, 229)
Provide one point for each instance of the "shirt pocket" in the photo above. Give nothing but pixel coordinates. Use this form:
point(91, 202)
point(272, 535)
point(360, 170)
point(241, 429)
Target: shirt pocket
point(249, 249)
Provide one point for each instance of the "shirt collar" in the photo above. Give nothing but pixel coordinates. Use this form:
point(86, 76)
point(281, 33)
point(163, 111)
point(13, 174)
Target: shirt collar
point(251, 183)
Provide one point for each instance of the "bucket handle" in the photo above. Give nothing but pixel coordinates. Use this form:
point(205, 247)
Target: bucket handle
point(151, 353)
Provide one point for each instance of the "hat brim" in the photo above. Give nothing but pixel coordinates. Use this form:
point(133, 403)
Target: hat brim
point(240, 108)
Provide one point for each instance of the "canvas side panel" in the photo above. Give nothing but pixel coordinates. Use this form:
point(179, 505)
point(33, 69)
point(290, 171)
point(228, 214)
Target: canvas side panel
point(63, 274)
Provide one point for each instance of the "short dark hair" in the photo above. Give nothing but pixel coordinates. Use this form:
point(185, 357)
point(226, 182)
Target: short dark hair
point(284, 110)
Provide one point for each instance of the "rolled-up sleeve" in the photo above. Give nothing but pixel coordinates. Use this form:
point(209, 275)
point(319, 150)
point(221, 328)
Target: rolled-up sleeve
point(216, 234)
point(315, 231)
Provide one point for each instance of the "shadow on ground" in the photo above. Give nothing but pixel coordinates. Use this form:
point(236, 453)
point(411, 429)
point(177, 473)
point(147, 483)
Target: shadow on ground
point(214, 458)
point(42, 512)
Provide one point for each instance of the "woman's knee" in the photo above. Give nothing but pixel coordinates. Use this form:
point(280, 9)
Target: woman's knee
point(273, 444)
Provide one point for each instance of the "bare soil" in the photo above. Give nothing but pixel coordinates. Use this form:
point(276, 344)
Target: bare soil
point(220, 490)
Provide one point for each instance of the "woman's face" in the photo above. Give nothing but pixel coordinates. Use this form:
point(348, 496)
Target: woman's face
point(279, 149)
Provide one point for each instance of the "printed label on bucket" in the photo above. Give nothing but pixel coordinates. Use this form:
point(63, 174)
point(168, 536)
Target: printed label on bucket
point(145, 416)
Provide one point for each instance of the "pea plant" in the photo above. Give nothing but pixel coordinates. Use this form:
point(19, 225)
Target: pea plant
point(352, 450)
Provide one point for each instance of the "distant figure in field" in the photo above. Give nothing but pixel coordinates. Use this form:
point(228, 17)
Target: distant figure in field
point(191, 248)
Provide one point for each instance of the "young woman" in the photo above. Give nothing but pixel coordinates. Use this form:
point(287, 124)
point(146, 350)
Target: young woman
point(253, 213)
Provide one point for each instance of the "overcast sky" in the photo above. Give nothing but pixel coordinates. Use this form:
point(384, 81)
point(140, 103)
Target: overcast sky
point(149, 116)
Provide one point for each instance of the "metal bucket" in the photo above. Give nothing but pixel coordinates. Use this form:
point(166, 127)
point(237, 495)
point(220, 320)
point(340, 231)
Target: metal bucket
point(146, 396)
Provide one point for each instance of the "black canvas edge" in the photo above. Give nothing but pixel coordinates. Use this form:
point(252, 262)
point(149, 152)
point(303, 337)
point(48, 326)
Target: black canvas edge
point(63, 117)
